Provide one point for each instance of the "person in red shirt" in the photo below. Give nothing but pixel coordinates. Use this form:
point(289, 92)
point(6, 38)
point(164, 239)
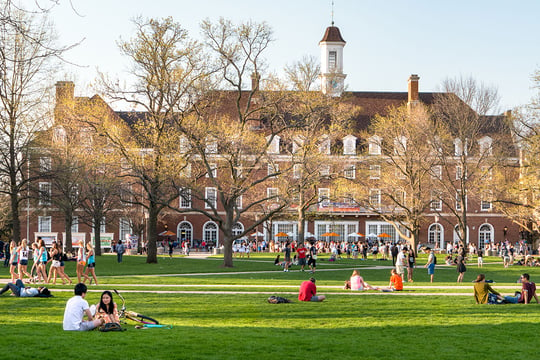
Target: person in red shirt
point(528, 290)
point(396, 283)
point(308, 291)
point(302, 252)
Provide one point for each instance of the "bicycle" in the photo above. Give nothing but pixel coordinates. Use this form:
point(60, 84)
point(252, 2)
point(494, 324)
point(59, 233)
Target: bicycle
point(124, 315)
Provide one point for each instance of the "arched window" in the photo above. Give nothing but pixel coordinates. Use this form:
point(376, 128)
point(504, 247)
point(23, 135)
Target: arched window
point(485, 235)
point(435, 235)
point(185, 231)
point(456, 234)
point(237, 229)
point(210, 233)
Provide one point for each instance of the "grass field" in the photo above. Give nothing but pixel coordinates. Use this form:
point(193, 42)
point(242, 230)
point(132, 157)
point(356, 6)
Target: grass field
point(211, 321)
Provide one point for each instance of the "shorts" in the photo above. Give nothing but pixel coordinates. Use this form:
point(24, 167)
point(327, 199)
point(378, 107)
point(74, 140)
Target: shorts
point(55, 263)
point(302, 261)
point(480, 261)
point(314, 298)
point(86, 325)
point(400, 269)
point(312, 262)
point(23, 262)
point(15, 263)
point(92, 265)
point(431, 269)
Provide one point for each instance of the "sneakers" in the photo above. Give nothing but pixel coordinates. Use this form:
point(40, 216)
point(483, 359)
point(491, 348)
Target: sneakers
point(285, 270)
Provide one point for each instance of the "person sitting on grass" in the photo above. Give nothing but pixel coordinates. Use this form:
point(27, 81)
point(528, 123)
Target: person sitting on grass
point(528, 290)
point(396, 283)
point(308, 291)
point(19, 290)
point(107, 309)
point(483, 292)
point(76, 308)
point(357, 283)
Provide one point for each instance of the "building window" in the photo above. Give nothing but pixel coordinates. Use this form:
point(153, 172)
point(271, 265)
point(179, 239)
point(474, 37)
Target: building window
point(297, 171)
point(185, 198)
point(436, 201)
point(210, 233)
point(185, 231)
point(374, 145)
point(350, 172)
point(297, 143)
point(185, 146)
point(44, 223)
point(124, 229)
point(102, 226)
point(332, 60)
point(460, 148)
point(186, 171)
point(324, 145)
point(324, 170)
point(75, 224)
point(435, 234)
point(324, 196)
point(44, 193)
point(273, 169)
point(485, 235)
point(458, 201)
point(485, 145)
point(238, 202)
point(485, 203)
point(273, 147)
point(211, 146)
point(487, 173)
point(375, 198)
point(460, 173)
point(210, 198)
point(272, 193)
point(374, 171)
point(349, 145)
point(400, 145)
point(45, 164)
point(237, 229)
point(436, 172)
point(212, 170)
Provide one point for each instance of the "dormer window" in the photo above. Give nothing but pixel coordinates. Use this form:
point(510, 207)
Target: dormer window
point(324, 145)
point(349, 145)
point(460, 148)
point(59, 135)
point(400, 145)
point(273, 147)
point(298, 143)
point(485, 145)
point(374, 144)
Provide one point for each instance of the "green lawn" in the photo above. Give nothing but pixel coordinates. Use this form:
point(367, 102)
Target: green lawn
point(223, 325)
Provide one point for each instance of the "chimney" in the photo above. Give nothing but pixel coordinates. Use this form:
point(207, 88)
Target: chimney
point(255, 78)
point(65, 97)
point(413, 90)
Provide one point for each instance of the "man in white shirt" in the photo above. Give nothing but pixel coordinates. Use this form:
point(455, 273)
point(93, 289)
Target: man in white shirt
point(76, 308)
point(401, 261)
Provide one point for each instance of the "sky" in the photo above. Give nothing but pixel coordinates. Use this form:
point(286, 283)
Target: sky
point(494, 41)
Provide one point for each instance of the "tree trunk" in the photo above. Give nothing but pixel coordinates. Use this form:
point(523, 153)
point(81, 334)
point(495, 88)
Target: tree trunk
point(16, 222)
point(68, 219)
point(97, 236)
point(227, 251)
point(151, 235)
point(301, 225)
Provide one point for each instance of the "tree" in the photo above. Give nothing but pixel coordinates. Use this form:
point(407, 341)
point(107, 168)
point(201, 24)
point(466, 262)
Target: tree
point(398, 184)
point(27, 56)
point(232, 143)
point(470, 146)
point(169, 72)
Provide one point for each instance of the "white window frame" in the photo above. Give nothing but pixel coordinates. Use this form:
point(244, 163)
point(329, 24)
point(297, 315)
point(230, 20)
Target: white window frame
point(273, 147)
point(436, 201)
point(212, 171)
point(44, 224)
point(124, 228)
point(45, 164)
point(350, 172)
point(297, 171)
point(400, 145)
point(374, 171)
point(436, 235)
point(184, 198)
point(375, 194)
point(458, 202)
point(272, 193)
point(332, 60)
point(45, 193)
point(374, 145)
point(75, 224)
point(239, 202)
point(349, 145)
point(486, 205)
point(211, 146)
point(185, 146)
point(272, 168)
point(485, 145)
point(324, 196)
point(436, 172)
point(325, 145)
point(208, 203)
point(324, 170)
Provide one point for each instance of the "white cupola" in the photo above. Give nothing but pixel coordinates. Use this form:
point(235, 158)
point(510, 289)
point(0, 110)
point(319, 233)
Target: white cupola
point(332, 77)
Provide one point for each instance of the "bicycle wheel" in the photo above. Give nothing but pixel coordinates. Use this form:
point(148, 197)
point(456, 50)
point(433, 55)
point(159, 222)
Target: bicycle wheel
point(142, 318)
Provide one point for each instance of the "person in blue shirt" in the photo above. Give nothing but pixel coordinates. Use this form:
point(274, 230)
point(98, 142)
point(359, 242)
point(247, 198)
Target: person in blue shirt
point(19, 290)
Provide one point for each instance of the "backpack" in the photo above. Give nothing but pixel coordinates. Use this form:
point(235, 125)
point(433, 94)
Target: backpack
point(278, 300)
point(111, 327)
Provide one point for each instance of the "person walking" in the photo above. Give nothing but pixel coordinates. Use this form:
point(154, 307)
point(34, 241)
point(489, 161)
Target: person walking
point(430, 265)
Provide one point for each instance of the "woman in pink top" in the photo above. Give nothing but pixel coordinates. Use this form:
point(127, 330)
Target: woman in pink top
point(357, 283)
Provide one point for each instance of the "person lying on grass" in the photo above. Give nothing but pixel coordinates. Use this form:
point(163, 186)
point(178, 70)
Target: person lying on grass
point(357, 283)
point(19, 290)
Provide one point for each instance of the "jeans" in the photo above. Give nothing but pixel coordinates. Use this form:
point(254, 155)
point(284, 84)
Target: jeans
point(512, 299)
point(119, 257)
point(15, 288)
